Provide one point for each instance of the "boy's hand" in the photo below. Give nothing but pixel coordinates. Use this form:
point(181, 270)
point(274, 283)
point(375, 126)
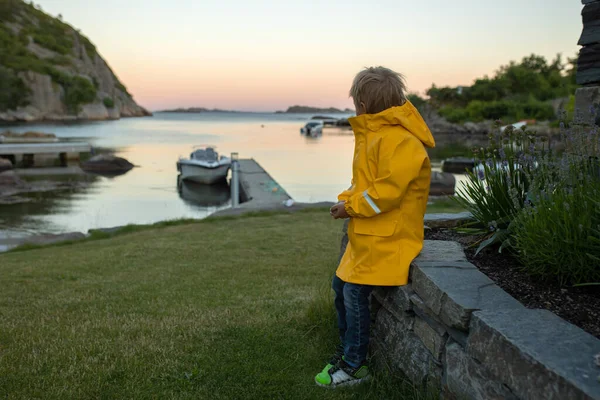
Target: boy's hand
point(338, 211)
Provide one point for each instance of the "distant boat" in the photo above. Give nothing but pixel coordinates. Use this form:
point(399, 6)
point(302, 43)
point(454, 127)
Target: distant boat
point(458, 165)
point(327, 121)
point(204, 166)
point(518, 125)
point(313, 129)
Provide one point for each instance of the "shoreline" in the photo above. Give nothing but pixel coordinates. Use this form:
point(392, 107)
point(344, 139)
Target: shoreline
point(432, 220)
point(64, 120)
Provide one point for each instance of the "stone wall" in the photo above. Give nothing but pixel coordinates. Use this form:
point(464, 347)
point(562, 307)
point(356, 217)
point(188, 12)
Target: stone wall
point(588, 64)
point(453, 328)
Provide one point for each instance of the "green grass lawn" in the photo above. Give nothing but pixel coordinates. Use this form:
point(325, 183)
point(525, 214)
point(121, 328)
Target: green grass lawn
point(235, 308)
point(444, 205)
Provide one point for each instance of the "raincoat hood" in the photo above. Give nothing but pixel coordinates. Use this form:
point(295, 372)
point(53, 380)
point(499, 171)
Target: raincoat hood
point(406, 116)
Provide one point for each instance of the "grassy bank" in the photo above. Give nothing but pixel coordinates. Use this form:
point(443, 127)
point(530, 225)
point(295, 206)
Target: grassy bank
point(229, 309)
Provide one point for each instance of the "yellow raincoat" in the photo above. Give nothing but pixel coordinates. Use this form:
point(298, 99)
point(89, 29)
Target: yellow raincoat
point(391, 175)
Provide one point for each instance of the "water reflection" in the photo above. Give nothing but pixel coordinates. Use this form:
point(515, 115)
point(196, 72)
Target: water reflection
point(23, 217)
point(204, 195)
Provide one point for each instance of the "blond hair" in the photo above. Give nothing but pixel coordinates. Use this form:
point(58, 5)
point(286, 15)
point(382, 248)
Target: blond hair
point(379, 88)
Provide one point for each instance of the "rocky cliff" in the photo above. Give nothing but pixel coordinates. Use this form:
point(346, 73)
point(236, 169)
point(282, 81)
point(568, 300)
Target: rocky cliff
point(50, 71)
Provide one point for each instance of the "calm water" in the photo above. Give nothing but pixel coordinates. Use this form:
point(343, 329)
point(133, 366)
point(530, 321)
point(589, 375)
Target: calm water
point(309, 169)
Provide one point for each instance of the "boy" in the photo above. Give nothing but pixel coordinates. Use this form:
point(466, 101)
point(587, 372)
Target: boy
point(386, 204)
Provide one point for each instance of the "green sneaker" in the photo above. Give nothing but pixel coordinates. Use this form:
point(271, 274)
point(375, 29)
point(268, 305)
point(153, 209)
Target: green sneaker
point(336, 358)
point(342, 374)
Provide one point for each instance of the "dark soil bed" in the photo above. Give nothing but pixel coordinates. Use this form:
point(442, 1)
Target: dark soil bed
point(580, 306)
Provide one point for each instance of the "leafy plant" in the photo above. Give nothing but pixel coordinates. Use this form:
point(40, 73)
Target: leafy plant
point(78, 91)
point(511, 110)
point(496, 191)
point(13, 91)
point(417, 100)
point(89, 46)
point(108, 102)
point(558, 236)
point(517, 91)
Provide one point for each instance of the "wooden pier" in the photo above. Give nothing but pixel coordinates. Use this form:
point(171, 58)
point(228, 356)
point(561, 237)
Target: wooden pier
point(26, 152)
point(260, 192)
point(257, 187)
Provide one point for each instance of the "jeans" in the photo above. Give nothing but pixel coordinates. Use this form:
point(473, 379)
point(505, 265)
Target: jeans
point(354, 319)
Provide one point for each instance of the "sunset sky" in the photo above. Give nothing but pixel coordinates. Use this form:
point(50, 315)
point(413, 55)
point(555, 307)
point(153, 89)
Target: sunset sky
point(265, 55)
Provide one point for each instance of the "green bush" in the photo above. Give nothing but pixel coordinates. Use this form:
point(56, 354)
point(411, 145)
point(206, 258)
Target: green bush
point(60, 60)
point(517, 91)
point(558, 236)
point(89, 47)
point(108, 102)
point(8, 9)
point(439, 153)
point(417, 100)
point(506, 110)
point(542, 203)
point(13, 91)
point(455, 115)
point(79, 91)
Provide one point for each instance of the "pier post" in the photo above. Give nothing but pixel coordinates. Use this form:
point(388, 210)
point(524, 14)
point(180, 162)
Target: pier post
point(28, 160)
point(235, 180)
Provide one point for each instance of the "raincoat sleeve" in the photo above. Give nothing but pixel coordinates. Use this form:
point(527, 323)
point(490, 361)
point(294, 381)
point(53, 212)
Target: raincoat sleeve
point(398, 165)
point(345, 195)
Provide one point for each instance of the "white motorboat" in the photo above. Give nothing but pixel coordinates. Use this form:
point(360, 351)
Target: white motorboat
point(204, 166)
point(312, 129)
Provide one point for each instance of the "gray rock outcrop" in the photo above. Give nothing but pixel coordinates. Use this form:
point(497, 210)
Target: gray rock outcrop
point(107, 164)
point(46, 72)
point(5, 165)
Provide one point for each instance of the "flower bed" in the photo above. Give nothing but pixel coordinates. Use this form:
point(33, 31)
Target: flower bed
point(577, 305)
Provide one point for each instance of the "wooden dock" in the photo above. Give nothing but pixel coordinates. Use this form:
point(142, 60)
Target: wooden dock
point(260, 192)
point(44, 148)
point(26, 152)
point(257, 187)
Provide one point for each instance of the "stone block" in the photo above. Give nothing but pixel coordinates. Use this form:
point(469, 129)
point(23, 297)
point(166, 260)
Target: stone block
point(454, 290)
point(394, 297)
point(431, 337)
point(465, 378)
point(587, 98)
point(535, 353)
point(447, 220)
point(420, 309)
point(400, 350)
point(440, 250)
point(590, 16)
point(589, 76)
point(589, 56)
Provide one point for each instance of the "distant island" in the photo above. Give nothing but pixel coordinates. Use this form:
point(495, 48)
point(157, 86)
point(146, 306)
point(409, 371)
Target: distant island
point(312, 110)
point(196, 110)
